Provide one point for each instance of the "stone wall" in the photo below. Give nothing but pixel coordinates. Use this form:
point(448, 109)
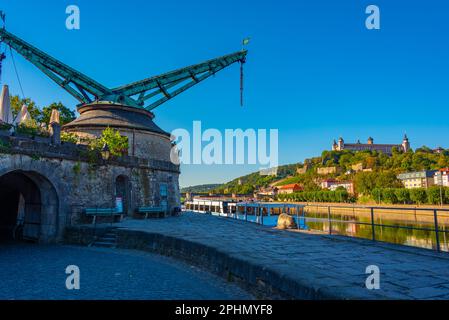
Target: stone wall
point(328, 170)
point(79, 183)
point(142, 144)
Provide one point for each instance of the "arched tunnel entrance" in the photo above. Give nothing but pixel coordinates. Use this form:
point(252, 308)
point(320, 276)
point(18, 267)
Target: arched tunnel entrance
point(28, 207)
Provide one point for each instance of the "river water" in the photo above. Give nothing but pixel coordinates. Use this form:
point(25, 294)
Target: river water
point(415, 229)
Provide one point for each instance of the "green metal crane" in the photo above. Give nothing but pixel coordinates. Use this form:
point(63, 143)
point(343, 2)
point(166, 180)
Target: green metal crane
point(145, 94)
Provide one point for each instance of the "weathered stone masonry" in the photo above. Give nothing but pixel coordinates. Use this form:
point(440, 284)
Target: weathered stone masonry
point(66, 182)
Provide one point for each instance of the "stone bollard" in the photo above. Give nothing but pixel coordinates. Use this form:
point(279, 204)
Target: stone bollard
point(55, 129)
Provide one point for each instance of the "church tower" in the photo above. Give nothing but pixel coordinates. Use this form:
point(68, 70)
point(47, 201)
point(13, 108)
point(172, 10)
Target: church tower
point(405, 144)
point(341, 144)
point(335, 146)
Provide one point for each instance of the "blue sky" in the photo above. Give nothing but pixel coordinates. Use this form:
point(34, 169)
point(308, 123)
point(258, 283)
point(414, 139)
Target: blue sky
point(314, 71)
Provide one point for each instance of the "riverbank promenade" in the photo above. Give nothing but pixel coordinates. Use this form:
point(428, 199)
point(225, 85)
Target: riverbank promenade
point(298, 265)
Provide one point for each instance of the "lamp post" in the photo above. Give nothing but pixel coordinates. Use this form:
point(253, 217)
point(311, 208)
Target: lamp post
point(105, 152)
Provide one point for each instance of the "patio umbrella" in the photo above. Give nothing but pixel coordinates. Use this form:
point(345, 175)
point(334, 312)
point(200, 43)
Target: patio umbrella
point(5, 106)
point(24, 114)
point(54, 118)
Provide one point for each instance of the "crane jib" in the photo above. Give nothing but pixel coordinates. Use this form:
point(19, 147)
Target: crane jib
point(150, 92)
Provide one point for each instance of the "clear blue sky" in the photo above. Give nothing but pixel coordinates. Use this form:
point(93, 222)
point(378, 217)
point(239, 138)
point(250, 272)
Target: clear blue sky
point(314, 71)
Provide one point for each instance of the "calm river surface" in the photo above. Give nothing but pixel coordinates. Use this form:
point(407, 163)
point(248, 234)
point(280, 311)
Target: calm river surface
point(392, 227)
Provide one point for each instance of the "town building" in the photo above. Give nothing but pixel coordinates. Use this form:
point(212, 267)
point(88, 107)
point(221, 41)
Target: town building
point(438, 150)
point(441, 177)
point(327, 183)
point(289, 188)
point(333, 184)
point(371, 146)
point(418, 179)
point(269, 192)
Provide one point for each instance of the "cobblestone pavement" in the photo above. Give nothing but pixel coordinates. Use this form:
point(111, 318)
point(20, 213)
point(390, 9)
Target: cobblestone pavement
point(333, 265)
point(38, 272)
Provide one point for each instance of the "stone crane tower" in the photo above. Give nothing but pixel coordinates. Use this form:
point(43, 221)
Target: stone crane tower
point(53, 183)
point(127, 108)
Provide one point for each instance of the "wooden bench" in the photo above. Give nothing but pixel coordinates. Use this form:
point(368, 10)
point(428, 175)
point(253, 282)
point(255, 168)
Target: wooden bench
point(102, 212)
point(154, 212)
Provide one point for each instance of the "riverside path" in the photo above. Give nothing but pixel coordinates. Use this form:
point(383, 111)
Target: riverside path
point(295, 265)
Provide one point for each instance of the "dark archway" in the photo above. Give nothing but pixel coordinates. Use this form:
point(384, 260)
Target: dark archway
point(123, 191)
point(29, 207)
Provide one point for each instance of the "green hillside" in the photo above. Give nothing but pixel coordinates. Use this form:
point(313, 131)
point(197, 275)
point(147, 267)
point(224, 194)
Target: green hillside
point(369, 170)
point(203, 188)
point(247, 184)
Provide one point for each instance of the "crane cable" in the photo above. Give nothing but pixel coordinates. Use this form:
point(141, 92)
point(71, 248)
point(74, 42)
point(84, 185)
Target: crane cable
point(3, 55)
point(17, 73)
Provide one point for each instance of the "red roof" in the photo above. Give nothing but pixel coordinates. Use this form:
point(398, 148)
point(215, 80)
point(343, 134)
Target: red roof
point(290, 186)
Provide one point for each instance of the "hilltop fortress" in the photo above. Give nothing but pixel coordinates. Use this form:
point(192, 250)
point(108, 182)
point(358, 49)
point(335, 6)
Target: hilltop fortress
point(370, 145)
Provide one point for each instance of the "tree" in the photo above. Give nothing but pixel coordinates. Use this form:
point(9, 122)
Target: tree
point(65, 114)
point(33, 110)
point(376, 193)
point(118, 144)
point(387, 179)
point(69, 137)
point(435, 195)
point(403, 195)
point(246, 189)
point(365, 182)
point(370, 162)
point(424, 149)
point(341, 195)
point(389, 195)
point(418, 195)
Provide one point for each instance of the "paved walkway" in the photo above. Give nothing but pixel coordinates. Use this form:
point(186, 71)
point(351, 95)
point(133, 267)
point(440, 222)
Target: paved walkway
point(330, 265)
point(38, 272)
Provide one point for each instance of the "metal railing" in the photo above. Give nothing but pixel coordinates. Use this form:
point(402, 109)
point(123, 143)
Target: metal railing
point(433, 215)
point(304, 216)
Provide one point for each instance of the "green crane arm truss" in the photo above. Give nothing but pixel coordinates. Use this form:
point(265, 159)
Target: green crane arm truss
point(155, 90)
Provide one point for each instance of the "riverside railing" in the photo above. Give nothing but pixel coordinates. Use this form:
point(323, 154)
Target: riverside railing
point(431, 221)
point(376, 218)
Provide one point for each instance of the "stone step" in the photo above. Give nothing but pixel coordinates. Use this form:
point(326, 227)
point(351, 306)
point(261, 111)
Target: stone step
point(110, 234)
point(108, 240)
point(104, 244)
point(111, 238)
